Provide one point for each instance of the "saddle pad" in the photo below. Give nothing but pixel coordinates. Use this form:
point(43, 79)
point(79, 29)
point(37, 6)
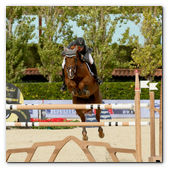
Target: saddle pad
point(89, 69)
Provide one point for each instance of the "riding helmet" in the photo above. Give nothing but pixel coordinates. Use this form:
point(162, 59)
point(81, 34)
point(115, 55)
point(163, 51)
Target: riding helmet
point(80, 42)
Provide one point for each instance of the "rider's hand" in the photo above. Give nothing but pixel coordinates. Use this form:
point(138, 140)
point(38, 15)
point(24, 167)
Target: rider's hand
point(81, 56)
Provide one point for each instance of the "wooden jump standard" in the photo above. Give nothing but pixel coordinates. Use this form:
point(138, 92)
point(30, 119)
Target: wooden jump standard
point(153, 157)
point(137, 119)
point(84, 144)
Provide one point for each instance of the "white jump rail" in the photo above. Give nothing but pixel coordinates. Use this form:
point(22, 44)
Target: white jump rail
point(73, 106)
point(37, 124)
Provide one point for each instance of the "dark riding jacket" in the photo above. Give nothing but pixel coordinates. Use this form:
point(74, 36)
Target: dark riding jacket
point(86, 51)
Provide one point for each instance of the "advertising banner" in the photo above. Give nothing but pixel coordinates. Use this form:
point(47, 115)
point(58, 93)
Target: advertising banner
point(126, 113)
point(71, 113)
point(14, 96)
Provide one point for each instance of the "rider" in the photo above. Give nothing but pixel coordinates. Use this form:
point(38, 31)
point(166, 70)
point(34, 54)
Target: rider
point(85, 56)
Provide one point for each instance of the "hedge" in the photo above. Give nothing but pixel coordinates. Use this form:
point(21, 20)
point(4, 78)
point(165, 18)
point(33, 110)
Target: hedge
point(109, 90)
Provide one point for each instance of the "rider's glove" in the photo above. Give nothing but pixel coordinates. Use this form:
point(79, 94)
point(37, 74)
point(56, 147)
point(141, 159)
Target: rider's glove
point(81, 56)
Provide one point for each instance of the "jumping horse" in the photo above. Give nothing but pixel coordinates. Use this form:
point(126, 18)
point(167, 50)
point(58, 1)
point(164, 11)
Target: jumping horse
point(82, 85)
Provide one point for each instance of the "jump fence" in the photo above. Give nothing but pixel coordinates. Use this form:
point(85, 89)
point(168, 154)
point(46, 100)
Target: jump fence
point(84, 144)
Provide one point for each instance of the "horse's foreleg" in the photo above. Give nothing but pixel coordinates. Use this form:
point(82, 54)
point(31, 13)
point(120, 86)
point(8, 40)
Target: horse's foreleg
point(100, 130)
point(83, 119)
point(71, 84)
point(83, 84)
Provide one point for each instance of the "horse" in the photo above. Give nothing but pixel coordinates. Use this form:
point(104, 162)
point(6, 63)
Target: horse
point(82, 85)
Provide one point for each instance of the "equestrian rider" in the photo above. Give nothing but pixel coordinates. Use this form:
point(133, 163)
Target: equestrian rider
point(85, 55)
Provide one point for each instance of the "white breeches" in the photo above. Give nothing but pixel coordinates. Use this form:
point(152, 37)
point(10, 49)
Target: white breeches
point(63, 64)
point(90, 61)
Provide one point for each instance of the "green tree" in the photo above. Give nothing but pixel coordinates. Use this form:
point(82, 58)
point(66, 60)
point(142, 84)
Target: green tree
point(12, 13)
point(147, 56)
point(16, 48)
point(98, 32)
point(55, 32)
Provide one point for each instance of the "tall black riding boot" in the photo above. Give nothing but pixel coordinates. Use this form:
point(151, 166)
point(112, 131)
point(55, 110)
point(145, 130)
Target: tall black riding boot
point(64, 86)
point(94, 70)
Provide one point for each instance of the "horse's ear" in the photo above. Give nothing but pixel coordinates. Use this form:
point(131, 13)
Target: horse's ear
point(75, 49)
point(65, 49)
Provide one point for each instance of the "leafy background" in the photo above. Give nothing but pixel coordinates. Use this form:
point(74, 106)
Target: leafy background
point(109, 90)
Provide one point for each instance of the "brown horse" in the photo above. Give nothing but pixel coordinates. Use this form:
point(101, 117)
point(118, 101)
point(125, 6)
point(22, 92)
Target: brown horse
point(82, 86)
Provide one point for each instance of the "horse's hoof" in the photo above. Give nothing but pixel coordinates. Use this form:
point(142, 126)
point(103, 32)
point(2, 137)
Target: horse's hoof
point(72, 93)
point(87, 93)
point(85, 138)
point(101, 135)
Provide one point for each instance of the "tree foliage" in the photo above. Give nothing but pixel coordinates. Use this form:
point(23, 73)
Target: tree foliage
point(55, 32)
point(12, 13)
point(99, 29)
point(147, 56)
point(16, 48)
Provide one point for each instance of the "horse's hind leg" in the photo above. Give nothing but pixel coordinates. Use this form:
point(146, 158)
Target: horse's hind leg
point(100, 130)
point(83, 119)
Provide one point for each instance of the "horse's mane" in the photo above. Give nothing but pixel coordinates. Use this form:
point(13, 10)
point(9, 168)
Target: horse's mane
point(72, 47)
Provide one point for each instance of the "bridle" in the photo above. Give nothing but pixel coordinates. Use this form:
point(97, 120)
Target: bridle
point(73, 68)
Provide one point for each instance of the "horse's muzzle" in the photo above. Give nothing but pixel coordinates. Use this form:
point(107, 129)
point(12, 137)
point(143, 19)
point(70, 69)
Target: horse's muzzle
point(70, 74)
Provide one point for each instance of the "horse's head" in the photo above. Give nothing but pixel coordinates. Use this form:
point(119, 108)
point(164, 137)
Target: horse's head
point(71, 61)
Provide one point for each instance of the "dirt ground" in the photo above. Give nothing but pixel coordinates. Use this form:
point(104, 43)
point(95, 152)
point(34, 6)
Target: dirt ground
point(120, 137)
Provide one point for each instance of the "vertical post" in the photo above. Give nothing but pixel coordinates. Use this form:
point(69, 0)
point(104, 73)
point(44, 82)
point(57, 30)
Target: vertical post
point(137, 118)
point(40, 24)
point(152, 125)
point(160, 123)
